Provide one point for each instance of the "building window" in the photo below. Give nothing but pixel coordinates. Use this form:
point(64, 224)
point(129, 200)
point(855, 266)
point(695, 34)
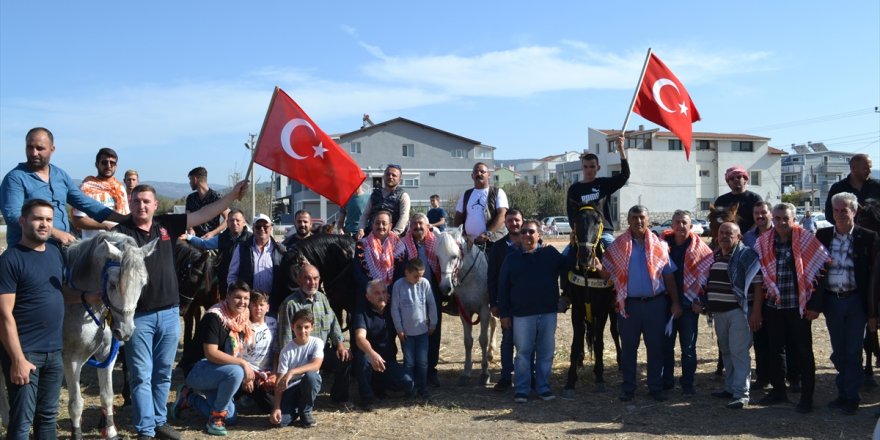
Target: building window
point(755, 178)
point(482, 153)
point(704, 205)
point(674, 145)
point(704, 173)
point(411, 181)
point(355, 148)
point(459, 154)
point(409, 150)
point(704, 145)
point(742, 146)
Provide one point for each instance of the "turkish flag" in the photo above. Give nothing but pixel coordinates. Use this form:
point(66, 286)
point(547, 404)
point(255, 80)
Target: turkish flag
point(663, 100)
point(293, 145)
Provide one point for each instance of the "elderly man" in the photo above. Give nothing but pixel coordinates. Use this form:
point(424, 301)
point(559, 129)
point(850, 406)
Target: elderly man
point(848, 296)
point(790, 261)
point(391, 198)
point(858, 183)
point(730, 286)
point(336, 356)
point(302, 222)
point(480, 210)
point(420, 243)
point(528, 298)
point(513, 221)
point(597, 191)
point(150, 352)
point(257, 262)
point(104, 188)
point(639, 264)
point(36, 179)
point(236, 233)
point(692, 258)
point(375, 359)
point(737, 179)
point(203, 196)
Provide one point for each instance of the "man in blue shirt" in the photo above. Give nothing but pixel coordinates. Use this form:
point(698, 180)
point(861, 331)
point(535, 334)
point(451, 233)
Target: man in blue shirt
point(36, 179)
point(638, 263)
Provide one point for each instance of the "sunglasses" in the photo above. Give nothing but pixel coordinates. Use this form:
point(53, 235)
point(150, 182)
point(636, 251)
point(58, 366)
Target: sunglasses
point(262, 226)
point(528, 231)
point(108, 162)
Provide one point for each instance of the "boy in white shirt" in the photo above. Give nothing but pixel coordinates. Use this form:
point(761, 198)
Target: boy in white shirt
point(259, 354)
point(298, 372)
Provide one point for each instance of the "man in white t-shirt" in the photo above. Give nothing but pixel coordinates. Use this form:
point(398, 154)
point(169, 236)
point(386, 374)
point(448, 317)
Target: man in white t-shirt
point(481, 209)
point(104, 188)
point(299, 379)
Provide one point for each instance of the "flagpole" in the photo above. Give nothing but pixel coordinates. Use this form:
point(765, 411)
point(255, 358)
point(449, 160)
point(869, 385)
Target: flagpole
point(636, 93)
point(250, 168)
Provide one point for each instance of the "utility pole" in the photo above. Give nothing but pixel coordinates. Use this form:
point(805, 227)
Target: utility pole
point(251, 144)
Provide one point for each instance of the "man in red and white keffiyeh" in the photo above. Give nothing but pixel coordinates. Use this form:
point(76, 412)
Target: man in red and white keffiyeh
point(639, 264)
point(693, 259)
point(790, 260)
point(419, 243)
point(381, 249)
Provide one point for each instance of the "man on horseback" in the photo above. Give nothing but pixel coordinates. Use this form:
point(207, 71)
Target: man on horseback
point(203, 196)
point(391, 198)
point(480, 210)
point(257, 262)
point(104, 188)
point(597, 191)
point(303, 228)
point(150, 351)
point(420, 242)
point(738, 179)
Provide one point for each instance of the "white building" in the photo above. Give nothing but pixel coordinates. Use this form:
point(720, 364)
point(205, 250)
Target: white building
point(663, 180)
point(544, 169)
point(814, 171)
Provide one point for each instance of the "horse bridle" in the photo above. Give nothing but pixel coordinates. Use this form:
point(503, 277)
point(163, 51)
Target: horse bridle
point(107, 315)
point(454, 275)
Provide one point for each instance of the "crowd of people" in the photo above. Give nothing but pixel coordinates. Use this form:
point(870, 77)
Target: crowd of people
point(764, 279)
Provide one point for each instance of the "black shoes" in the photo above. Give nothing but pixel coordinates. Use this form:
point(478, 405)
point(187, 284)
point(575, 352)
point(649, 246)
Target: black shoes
point(772, 398)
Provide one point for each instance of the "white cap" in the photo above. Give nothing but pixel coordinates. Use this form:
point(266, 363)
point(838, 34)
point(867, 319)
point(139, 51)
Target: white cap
point(259, 217)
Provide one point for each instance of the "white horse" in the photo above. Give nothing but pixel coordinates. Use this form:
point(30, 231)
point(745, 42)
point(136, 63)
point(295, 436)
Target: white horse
point(113, 264)
point(464, 271)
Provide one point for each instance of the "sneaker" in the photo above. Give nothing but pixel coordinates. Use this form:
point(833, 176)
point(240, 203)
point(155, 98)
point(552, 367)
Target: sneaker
point(520, 398)
point(307, 420)
point(626, 397)
point(217, 423)
point(723, 394)
point(502, 385)
point(182, 401)
point(547, 395)
point(738, 403)
point(166, 432)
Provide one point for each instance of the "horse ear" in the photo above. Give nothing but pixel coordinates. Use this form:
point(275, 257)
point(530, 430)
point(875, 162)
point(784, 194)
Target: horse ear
point(113, 250)
point(150, 247)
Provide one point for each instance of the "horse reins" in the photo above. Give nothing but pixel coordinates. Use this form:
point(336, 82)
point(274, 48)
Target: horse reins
point(457, 281)
point(107, 315)
point(598, 235)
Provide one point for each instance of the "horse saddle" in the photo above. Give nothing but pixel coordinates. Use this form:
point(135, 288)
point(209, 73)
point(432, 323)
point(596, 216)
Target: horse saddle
point(596, 283)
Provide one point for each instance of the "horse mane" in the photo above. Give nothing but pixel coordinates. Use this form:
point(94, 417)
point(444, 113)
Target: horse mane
point(319, 244)
point(80, 255)
point(719, 215)
point(871, 217)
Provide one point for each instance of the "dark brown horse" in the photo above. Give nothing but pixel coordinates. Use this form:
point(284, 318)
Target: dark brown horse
point(197, 284)
point(869, 217)
point(592, 299)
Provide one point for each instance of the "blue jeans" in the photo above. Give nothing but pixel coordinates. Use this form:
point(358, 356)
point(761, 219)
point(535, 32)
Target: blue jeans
point(394, 378)
point(150, 354)
point(535, 334)
point(300, 398)
point(218, 383)
point(415, 359)
point(846, 322)
point(685, 327)
point(648, 320)
point(734, 341)
point(37, 402)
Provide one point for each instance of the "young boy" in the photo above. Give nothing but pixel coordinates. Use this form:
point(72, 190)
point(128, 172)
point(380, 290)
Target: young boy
point(299, 380)
point(415, 317)
point(259, 354)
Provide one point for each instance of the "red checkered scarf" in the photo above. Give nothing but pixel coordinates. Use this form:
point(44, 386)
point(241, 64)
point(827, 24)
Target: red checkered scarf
point(380, 256)
point(616, 261)
point(809, 258)
point(429, 243)
point(240, 331)
point(698, 259)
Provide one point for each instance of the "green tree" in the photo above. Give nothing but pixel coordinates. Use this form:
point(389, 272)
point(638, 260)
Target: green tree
point(524, 197)
point(796, 198)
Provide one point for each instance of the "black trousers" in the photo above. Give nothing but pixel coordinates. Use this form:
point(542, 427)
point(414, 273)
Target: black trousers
point(787, 325)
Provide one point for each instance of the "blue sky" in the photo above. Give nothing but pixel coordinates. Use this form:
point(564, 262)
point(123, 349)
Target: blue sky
point(174, 85)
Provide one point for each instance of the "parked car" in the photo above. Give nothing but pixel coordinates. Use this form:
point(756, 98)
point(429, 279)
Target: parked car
point(821, 221)
point(557, 225)
point(658, 229)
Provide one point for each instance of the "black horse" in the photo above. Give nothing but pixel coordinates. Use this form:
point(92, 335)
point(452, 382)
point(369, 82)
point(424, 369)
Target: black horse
point(333, 256)
point(197, 284)
point(869, 217)
point(592, 299)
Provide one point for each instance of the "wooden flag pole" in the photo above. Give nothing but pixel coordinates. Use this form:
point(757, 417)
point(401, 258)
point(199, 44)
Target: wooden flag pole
point(636, 93)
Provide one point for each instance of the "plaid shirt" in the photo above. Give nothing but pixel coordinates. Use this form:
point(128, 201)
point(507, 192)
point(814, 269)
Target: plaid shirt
point(326, 325)
point(786, 279)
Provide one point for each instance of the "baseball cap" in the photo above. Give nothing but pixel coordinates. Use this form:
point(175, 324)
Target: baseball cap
point(260, 216)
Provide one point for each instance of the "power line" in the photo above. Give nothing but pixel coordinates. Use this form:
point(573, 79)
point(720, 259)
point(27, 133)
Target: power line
point(817, 119)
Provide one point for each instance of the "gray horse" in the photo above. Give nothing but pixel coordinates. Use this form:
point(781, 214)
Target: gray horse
point(111, 263)
point(464, 271)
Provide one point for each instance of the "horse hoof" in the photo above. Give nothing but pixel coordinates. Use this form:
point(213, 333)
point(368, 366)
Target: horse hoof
point(76, 434)
point(484, 379)
point(463, 381)
point(600, 387)
point(568, 393)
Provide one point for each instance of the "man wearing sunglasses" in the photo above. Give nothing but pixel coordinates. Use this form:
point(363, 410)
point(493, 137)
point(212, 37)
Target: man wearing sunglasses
point(36, 179)
point(738, 180)
point(104, 188)
point(256, 261)
point(390, 198)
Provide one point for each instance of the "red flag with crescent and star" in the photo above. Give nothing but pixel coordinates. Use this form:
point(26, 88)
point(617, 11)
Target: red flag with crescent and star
point(293, 145)
point(663, 100)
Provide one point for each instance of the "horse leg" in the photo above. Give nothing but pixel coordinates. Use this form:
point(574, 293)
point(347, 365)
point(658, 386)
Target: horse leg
point(599, 321)
point(72, 370)
point(872, 348)
point(615, 334)
point(126, 388)
point(579, 333)
point(485, 315)
point(105, 382)
point(493, 341)
point(188, 317)
point(467, 333)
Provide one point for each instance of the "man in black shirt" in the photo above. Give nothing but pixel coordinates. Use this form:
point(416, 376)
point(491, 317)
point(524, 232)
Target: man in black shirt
point(597, 191)
point(860, 183)
point(150, 351)
point(203, 196)
point(737, 179)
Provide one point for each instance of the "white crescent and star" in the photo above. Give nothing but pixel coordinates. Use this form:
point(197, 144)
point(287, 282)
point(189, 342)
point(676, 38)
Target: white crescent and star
point(658, 85)
point(286, 133)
